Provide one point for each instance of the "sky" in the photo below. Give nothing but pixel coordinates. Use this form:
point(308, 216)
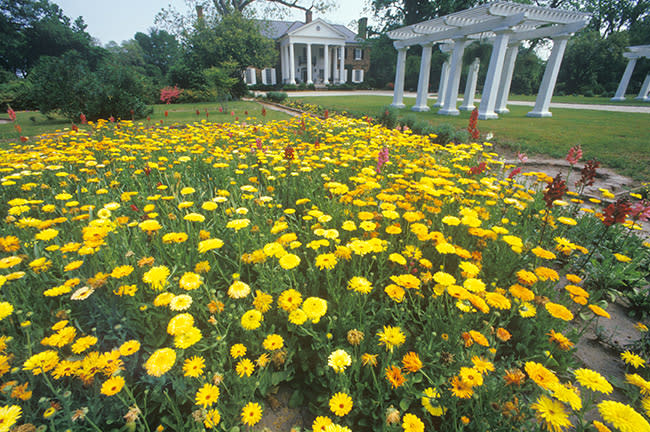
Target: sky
point(120, 20)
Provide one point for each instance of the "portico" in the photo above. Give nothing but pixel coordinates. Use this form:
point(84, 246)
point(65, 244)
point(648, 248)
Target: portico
point(506, 25)
point(313, 54)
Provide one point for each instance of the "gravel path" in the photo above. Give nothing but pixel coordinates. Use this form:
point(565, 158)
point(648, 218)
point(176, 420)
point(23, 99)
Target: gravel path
point(432, 97)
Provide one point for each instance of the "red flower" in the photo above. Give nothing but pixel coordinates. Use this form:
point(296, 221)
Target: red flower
point(23, 139)
point(263, 112)
point(616, 212)
point(289, 152)
point(198, 112)
point(75, 128)
point(473, 121)
point(514, 172)
point(326, 114)
point(82, 118)
point(588, 173)
point(555, 190)
point(478, 169)
point(166, 113)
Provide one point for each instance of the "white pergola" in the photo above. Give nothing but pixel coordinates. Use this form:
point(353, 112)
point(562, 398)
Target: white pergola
point(506, 25)
point(635, 53)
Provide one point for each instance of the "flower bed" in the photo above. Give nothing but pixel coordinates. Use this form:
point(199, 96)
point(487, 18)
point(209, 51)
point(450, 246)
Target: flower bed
point(172, 278)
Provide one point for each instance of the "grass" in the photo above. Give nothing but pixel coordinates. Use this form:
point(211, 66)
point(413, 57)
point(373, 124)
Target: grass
point(619, 140)
point(33, 123)
point(577, 99)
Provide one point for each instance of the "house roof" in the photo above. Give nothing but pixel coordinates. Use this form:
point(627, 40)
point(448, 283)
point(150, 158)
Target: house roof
point(276, 29)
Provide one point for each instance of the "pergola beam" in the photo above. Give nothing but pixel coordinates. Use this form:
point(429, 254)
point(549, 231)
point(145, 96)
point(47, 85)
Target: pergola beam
point(497, 23)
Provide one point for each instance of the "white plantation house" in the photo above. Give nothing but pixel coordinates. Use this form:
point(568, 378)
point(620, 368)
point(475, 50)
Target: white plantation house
point(313, 52)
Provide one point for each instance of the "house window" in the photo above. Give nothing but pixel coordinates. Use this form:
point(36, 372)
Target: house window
point(358, 54)
point(268, 76)
point(249, 76)
point(357, 75)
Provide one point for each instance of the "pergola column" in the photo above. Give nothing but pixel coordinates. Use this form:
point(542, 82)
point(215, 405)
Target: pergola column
point(398, 90)
point(470, 86)
point(326, 65)
point(491, 87)
point(423, 80)
point(292, 65)
point(309, 66)
point(444, 74)
point(342, 66)
point(625, 80)
point(506, 79)
point(645, 89)
point(550, 77)
point(456, 64)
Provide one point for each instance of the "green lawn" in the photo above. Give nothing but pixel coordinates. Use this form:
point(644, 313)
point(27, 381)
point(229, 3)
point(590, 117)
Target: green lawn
point(619, 140)
point(629, 101)
point(33, 123)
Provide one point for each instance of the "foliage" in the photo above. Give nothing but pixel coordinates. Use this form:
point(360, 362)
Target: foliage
point(387, 117)
point(275, 96)
point(18, 93)
point(160, 50)
point(168, 277)
point(68, 85)
point(30, 29)
point(169, 94)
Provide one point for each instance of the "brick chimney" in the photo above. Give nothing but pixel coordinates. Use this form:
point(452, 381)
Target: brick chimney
point(199, 11)
point(308, 17)
point(363, 28)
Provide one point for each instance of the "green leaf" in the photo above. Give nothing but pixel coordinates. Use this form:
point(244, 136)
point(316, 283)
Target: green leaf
point(404, 404)
point(296, 399)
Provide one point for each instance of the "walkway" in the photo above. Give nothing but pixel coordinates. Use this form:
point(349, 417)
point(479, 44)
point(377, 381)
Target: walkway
point(432, 96)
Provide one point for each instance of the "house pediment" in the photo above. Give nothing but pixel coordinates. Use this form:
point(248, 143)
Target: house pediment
point(318, 29)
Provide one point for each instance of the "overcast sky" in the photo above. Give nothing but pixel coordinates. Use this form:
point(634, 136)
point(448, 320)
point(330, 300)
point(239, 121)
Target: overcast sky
point(119, 20)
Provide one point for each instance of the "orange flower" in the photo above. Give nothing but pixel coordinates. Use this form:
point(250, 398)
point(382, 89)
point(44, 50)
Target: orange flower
point(412, 362)
point(394, 376)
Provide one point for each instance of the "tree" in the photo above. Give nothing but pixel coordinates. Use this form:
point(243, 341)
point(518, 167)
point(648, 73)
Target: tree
point(160, 50)
point(30, 29)
point(181, 23)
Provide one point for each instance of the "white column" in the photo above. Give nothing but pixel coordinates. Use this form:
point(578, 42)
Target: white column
point(451, 92)
point(309, 66)
point(292, 65)
point(423, 80)
point(444, 73)
point(491, 87)
point(342, 66)
point(326, 65)
point(625, 80)
point(470, 86)
point(506, 79)
point(283, 62)
point(398, 90)
point(550, 77)
point(645, 89)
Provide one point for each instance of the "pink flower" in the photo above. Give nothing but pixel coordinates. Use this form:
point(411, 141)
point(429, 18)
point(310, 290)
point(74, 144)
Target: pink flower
point(382, 158)
point(523, 158)
point(640, 211)
point(12, 114)
point(574, 155)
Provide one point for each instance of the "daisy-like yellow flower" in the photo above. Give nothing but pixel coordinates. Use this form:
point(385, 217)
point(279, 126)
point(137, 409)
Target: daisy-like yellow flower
point(597, 310)
point(251, 414)
point(193, 367)
point(633, 359)
point(412, 423)
point(156, 277)
point(360, 285)
point(411, 362)
point(341, 404)
point(558, 311)
point(160, 362)
point(623, 417)
point(207, 395)
point(238, 290)
point(289, 261)
point(537, 372)
point(212, 419)
point(290, 300)
point(391, 337)
point(552, 413)
point(339, 360)
point(593, 380)
point(210, 244)
point(190, 281)
point(112, 386)
point(326, 261)
point(273, 342)
point(9, 415)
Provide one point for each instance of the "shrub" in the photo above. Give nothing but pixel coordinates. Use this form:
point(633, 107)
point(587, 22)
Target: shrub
point(18, 94)
point(388, 116)
point(275, 96)
point(445, 132)
point(169, 94)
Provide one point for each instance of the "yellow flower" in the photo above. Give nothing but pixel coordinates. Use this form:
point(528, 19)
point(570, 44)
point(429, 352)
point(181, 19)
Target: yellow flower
point(290, 300)
point(238, 290)
point(360, 285)
point(623, 417)
point(273, 342)
point(559, 311)
point(207, 395)
point(341, 404)
point(9, 415)
point(212, 418)
point(339, 360)
point(391, 337)
point(6, 309)
point(326, 261)
point(632, 359)
point(210, 244)
point(552, 413)
point(160, 362)
point(251, 414)
point(289, 261)
point(112, 386)
point(156, 277)
point(251, 319)
point(412, 423)
point(593, 380)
